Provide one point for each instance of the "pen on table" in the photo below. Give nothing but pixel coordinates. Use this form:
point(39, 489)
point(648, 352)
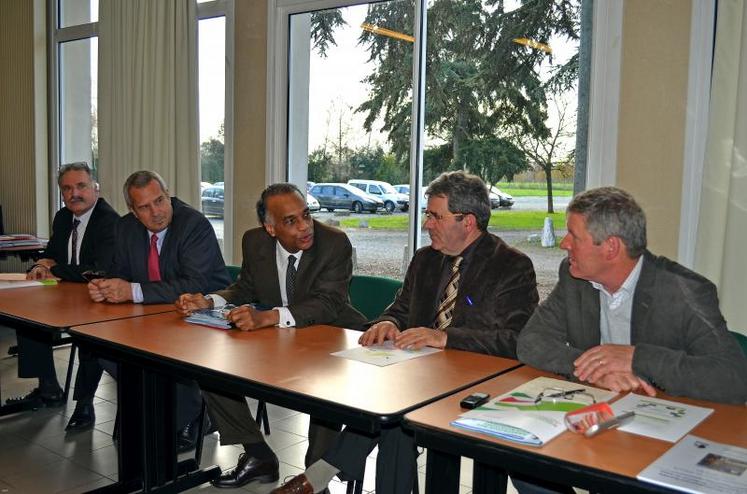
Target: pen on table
point(469, 300)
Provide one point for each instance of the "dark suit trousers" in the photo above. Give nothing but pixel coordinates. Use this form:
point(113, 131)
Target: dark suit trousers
point(395, 464)
point(90, 369)
point(237, 426)
point(35, 356)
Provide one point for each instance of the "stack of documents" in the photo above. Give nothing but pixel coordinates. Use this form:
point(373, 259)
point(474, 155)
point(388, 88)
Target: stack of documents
point(215, 318)
point(522, 416)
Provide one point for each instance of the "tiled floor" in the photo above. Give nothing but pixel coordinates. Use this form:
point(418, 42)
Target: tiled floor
point(37, 456)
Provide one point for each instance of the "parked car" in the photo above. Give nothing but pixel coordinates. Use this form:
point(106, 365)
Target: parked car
point(405, 189)
point(384, 191)
point(499, 199)
point(343, 196)
point(212, 201)
point(312, 203)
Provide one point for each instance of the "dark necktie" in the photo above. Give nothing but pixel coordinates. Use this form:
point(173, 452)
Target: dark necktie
point(290, 278)
point(74, 249)
point(446, 307)
point(154, 272)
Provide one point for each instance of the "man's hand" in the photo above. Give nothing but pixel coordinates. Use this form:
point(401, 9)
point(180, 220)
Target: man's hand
point(601, 360)
point(416, 338)
point(114, 290)
point(47, 263)
point(39, 272)
point(622, 382)
point(379, 333)
point(247, 318)
point(190, 302)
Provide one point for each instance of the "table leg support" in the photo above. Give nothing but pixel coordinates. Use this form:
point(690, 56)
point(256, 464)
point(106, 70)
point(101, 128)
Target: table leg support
point(488, 479)
point(442, 472)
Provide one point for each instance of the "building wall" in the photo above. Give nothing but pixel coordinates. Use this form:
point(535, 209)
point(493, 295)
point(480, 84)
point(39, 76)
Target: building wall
point(250, 110)
point(653, 99)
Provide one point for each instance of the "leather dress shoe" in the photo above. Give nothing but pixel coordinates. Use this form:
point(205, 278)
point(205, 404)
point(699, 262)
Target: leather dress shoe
point(83, 417)
point(249, 469)
point(46, 398)
point(297, 485)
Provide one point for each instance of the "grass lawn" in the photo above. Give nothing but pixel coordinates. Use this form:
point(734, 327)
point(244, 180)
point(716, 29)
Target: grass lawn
point(524, 189)
point(505, 220)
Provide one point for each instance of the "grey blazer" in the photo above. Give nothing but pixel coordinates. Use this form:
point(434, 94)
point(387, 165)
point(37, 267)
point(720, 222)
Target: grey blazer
point(682, 345)
point(324, 272)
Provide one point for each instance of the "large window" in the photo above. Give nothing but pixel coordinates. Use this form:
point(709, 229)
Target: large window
point(496, 96)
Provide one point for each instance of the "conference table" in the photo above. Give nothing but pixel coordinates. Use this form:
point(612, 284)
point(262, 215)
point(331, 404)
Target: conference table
point(609, 462)
point(45, 312)
point(289, 367)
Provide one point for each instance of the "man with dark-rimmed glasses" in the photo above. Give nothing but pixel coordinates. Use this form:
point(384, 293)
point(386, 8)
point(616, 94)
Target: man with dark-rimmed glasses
point(468, 290)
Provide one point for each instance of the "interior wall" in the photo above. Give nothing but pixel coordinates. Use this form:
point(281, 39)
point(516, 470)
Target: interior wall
point(250, 94)
point(17, 123)
point(653, 99)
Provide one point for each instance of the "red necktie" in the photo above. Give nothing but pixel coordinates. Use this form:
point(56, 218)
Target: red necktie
point(154, 272)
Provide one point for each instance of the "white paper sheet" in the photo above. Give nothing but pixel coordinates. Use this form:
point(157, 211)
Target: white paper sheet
point(660, 419)
point(383, 355)
point(698, 465)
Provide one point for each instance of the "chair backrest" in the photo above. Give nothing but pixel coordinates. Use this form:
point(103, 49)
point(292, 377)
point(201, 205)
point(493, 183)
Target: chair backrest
point(742, 339)
point(372, 294)
point(233, 271)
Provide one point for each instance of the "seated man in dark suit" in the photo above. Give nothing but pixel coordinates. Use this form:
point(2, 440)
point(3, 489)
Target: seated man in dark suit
point(82, 240)
point(624, 319)
point(164, 248)
point(468, 290)
point(301, 269)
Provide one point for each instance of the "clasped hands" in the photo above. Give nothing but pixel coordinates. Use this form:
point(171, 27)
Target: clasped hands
point(245, 317)
point(42, 270)
point(409, 339)
point(113, 290)
point(611, 367)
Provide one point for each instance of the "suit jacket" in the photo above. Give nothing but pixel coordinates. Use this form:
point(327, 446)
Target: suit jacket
point(190, 260)
point(322, 280)
point(499, 282)
point(682, 345)
point(96, 251)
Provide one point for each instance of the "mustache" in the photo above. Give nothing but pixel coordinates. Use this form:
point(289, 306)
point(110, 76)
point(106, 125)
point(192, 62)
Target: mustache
point(76, 199)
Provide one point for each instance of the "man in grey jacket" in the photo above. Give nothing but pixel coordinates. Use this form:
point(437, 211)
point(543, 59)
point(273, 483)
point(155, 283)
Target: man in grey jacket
point(624, 319)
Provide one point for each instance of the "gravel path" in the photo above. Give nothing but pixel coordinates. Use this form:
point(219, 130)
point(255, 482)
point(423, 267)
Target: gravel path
point(381, 252)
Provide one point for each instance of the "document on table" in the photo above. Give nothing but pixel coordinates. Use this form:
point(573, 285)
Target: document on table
point(383, 355)
point(660, 419)
point(7, 281)
point(698, 465)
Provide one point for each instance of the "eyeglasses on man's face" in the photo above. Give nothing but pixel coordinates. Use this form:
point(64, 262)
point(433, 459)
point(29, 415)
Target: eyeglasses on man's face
point(432, 215)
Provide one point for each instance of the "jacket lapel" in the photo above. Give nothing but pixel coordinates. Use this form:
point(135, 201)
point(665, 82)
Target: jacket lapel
point(589, 320)
point(643, 296)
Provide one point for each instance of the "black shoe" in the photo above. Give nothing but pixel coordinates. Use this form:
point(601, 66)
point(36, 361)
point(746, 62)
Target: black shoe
point(83, 417)
point(48, 399)
point(249, 469)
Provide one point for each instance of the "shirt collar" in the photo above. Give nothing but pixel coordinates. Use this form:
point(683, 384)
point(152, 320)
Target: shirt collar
point(628, 287)
point(282, 255)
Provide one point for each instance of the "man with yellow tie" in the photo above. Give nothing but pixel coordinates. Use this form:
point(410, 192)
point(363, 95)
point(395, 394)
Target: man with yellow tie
point(164, 248)
point(468, 290)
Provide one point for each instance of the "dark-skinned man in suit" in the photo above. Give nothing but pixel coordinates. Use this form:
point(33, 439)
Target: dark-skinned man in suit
point(300, 269)
point(468, 290)
point(83, 239)
point(165, 247)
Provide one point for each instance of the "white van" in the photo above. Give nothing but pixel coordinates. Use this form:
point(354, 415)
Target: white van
point(384, 191)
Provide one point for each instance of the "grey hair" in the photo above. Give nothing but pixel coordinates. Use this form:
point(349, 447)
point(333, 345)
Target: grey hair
point(139, 180)
point(612, 212)
point(77, 166)
point(275, 190)
point(466, 193)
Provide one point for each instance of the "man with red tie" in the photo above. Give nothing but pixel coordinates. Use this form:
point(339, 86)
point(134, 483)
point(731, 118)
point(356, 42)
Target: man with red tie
point(164, 248)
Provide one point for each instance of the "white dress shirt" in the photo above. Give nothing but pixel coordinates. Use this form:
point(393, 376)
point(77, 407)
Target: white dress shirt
point(83, 218)
point(616, 309)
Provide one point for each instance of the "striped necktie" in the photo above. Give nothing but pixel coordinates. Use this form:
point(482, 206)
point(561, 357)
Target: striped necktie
point(446, 307)
point(74, 243)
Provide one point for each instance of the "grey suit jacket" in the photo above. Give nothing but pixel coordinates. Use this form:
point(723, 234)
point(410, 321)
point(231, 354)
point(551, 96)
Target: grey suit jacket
point(190, 260)
point(322, 281)
point(682, 345)
point(496, 296)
